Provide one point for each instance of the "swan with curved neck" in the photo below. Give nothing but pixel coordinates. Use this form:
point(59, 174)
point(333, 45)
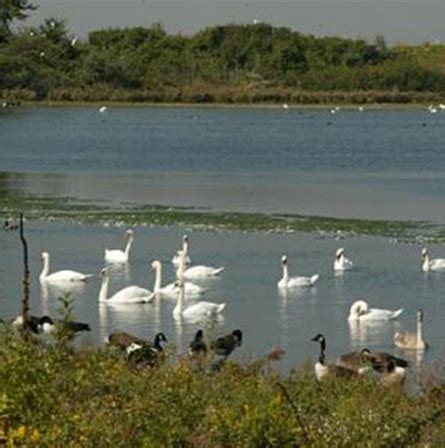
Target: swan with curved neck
point(436, 264)
point(412, 341)
point(176, 260)
point(60, 276)
point(197, 311)
point(360, 311)
point(120, 256)
point(130, 294)
point(296, 281)
point(171, 289)
point(195, 272)
point(341, 263)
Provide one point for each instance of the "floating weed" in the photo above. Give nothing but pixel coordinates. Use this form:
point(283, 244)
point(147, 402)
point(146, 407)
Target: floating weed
point(72, 210)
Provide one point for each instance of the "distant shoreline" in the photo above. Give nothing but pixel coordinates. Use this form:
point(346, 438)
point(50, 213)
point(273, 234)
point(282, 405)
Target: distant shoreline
point(290, 106)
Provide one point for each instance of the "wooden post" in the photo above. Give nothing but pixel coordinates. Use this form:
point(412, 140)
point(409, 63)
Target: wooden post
point(26, 292)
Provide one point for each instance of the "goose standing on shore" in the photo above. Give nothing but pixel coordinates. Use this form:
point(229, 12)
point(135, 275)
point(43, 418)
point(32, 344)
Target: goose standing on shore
point(322, 369)
point(294, 282)
point(360, 311)
point(130, 294)
point(341, 263)
point(120, 256)
point(392, 375)
point(436, 264)
point(197, 346)
point(412, 341)
point(60, 276)
point(379, 361)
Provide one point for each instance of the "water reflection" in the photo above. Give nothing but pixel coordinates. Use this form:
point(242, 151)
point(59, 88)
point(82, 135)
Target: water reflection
point(370, 331)
point(51, 293)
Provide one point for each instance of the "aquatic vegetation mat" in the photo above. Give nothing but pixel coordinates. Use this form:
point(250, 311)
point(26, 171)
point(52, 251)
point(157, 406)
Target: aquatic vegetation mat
point(67, 209)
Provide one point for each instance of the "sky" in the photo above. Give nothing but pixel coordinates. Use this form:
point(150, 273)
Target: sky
point(408, 21)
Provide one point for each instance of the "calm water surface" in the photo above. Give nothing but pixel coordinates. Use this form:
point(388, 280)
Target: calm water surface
point(387, 275)
point(376, 164)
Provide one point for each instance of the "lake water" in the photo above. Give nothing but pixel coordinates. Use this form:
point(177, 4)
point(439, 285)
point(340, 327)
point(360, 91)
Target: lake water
point(377, 164)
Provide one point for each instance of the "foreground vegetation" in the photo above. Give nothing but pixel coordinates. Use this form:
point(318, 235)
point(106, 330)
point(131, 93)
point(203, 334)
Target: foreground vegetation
point(226, 64)
point(55, 397)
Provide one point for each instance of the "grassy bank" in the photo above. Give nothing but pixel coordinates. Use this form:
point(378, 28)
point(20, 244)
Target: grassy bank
point(73, 210)
point(53, 397)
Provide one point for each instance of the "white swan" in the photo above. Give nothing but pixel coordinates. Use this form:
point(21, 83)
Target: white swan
point(197, 311)
point(360, 311)
point(130, 294)
point(412, 341)
point(171, 290)
point(195, 272)
point(117, 255)
point(60, 276)
point(436, 264)
point(341, 263)
point(176, 260)
point(294, 282)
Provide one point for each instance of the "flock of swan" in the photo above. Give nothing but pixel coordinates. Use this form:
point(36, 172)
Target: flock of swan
point(187, 286)
point(183, 288)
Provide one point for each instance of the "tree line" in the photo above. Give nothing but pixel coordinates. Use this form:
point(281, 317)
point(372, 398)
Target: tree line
point(228, 63)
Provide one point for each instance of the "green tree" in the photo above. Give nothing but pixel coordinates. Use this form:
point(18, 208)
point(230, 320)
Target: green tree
point(11, 10)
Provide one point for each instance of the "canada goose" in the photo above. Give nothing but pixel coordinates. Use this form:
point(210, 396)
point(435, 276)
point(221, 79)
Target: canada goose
point(341, 263)
point(197, 346)
point(146, 354)
point(367, 358)
point(436, 264)
point(322, 369)
point(412, 341)
point(224, 345)
point(49, 326)
point(296, 281)
point(33, 323)
point(123, 340)
point(393, 375)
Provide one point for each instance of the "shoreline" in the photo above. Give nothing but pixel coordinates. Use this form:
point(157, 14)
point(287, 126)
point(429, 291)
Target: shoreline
point(185, 105)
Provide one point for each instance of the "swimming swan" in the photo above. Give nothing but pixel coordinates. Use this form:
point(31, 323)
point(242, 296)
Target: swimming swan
point(294, 282)
point(171, 290)
point(412, 341)
point(130, 294)
point(360, 311)
point(176, 260)
point(195, 272)
point(436, 264)
point(117, 255)
point(60, 276)
point(197, 311)
point(341, 263)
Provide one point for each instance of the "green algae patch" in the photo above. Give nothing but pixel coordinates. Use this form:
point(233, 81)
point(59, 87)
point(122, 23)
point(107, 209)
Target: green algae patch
point(68, 209)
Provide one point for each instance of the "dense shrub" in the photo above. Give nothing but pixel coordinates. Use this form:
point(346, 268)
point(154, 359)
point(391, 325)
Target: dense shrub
point(51, 396)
